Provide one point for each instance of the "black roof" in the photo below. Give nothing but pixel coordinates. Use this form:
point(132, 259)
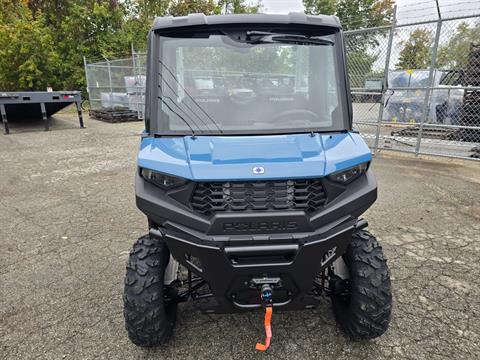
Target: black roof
point(290, 18)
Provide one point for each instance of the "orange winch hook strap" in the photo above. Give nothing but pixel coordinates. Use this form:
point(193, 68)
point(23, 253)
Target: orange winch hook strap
point(268, 330)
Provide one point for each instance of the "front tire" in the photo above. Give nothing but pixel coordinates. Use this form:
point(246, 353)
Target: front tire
point(149, 314)
point(362, 304)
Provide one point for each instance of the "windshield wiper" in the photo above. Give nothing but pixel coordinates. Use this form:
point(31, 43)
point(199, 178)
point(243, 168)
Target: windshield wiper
point(263, 37)
point(184, 104)
point(187, 93)
point(179, 116)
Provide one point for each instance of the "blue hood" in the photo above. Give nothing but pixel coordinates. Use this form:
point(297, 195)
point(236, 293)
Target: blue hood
point(234, 157)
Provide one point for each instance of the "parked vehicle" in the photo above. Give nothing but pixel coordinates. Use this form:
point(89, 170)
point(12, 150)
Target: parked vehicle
point(407, 91)
point(255, 189)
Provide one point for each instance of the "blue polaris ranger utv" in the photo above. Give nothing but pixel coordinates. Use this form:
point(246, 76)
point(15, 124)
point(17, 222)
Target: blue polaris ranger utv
point(252, 178)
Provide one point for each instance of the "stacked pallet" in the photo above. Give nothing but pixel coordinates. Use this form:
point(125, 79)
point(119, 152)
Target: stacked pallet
point(427, 132)
point(114, 115)
point(470, 112)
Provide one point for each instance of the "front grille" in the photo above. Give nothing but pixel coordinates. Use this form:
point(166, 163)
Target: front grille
point(211, 197)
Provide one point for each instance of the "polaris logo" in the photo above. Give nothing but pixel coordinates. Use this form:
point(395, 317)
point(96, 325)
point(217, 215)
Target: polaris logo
point(281, 99)
point(200, 100)
point(258, 170)
point(257, 226)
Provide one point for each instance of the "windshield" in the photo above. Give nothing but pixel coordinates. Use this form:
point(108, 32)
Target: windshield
point(250, 83)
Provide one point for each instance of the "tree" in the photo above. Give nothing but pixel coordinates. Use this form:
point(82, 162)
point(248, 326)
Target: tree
point(43, 42)
point(238, 6)
point(326, 7)
point(415, 53)
point(28, 58)
point(184, 7)
point(93, 30)
point(209, 7)
point(354, 14)
point(454, 54)
point(359, 67)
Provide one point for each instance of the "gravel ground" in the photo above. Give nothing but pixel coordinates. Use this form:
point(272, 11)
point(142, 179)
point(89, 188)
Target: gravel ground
point(68, 220)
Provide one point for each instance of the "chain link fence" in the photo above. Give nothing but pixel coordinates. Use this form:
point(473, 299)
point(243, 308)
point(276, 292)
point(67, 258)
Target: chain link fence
point(117, 86)
point(415, 86)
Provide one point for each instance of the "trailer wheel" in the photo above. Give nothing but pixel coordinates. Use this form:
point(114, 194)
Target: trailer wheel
point(149, 310)
point(362, 304)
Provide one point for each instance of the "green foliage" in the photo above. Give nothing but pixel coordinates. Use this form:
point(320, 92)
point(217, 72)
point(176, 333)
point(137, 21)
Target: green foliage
point(415, 53)
point(181, 7)
point(359, 67)
point(454, 54)
point(27, 52)
point(238, 6)
point(43, 42)
point(354, 14)
point(325, 7)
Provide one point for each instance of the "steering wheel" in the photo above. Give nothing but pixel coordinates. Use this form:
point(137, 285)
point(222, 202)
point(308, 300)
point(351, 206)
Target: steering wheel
point(296, 114)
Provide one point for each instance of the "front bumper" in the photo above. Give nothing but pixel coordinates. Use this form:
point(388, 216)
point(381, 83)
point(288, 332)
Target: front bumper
point(230, 257)
point(230, 270)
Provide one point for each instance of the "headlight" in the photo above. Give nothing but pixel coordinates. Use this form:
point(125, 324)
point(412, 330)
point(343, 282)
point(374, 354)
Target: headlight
point(347, 176)
point(163, 181)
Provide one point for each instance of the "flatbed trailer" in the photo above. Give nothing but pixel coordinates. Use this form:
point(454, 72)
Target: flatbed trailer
point(37, 104)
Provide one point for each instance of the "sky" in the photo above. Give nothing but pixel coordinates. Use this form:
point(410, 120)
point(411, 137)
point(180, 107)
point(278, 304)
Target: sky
point(282, 6)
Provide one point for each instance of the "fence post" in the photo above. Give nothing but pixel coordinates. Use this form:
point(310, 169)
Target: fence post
point(110, 83)
point(134, 62)
point(86, 79)
point(385, 78)
point(431, 71)
point(138, 84)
